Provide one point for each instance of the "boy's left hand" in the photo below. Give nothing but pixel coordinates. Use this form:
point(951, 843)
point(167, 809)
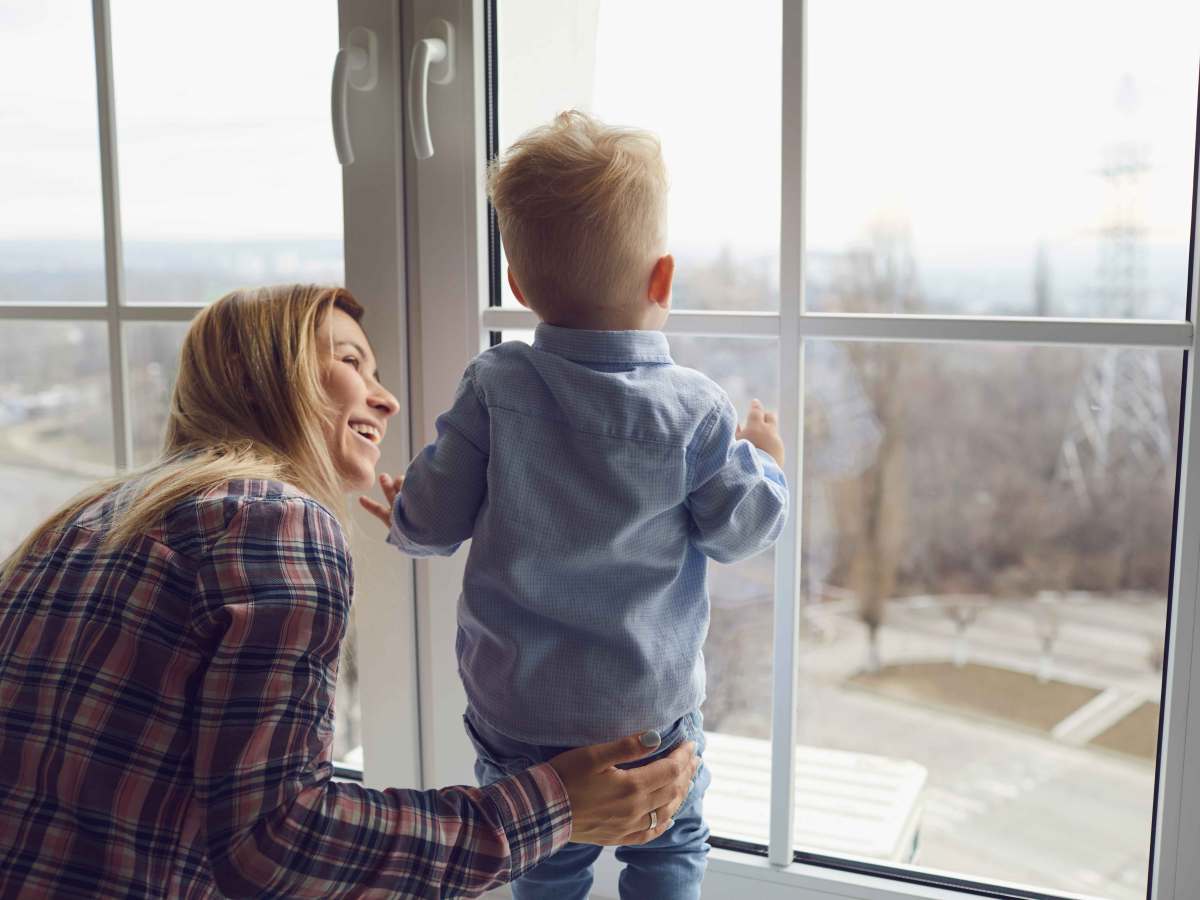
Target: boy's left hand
point(762, 430)
point(391, 487)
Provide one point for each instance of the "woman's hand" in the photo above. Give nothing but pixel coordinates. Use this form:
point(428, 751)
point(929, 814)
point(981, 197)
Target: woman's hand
point(391, 487)
point(613, 806)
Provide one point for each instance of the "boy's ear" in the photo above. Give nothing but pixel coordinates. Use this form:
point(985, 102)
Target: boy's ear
point(516, 288)
point(661, 277)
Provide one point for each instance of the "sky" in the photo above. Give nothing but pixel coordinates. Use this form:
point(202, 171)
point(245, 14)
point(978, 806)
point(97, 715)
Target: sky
point(980, 127)
point(223, 128)
point(976, 123)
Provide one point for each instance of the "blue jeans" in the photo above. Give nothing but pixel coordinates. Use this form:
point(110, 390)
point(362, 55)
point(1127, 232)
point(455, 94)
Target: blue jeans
point(670, 867)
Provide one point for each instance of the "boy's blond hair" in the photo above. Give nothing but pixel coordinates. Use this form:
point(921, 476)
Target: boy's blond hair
point(582, 211)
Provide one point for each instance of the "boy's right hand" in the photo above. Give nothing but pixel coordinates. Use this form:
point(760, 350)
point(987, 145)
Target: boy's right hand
point(391, 488)
point(762, 430)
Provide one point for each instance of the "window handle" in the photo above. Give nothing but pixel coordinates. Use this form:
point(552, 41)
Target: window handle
point(356, 66)
point(432, 60)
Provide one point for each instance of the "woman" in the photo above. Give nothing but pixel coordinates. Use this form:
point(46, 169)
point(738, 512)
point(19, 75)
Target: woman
point(169, 646)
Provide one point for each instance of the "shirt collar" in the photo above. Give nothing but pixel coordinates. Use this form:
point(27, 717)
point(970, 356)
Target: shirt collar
point(579, 345)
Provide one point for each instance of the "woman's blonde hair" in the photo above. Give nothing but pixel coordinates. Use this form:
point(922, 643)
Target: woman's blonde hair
point(248, 403)
point(582, 210)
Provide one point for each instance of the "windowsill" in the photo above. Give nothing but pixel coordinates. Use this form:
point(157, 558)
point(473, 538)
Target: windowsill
point(848, 804)
point(350, 766)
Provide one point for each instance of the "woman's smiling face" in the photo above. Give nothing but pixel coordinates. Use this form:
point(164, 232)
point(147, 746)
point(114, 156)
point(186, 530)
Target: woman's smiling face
point(360, 405)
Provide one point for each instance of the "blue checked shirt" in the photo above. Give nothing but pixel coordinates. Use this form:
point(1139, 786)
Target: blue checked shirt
point(594, 476)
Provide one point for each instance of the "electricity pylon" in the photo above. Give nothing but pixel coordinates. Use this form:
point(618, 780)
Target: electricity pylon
point(1119, 415)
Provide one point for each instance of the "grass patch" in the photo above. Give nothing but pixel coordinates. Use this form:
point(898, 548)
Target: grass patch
point(1135, 734)
point(978, 690)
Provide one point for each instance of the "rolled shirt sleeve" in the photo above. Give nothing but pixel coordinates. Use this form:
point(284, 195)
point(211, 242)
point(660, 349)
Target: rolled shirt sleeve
point(272, 604)
point(738, 499)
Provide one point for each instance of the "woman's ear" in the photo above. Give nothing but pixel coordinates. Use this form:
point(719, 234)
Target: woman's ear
point(661, 278)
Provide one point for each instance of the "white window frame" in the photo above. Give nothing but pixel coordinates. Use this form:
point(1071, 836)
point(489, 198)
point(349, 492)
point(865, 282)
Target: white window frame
point(373, 190)
point(374, 265)
point(450, 319)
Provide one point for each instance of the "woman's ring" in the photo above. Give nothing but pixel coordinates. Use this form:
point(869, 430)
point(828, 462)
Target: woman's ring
point(653, 819)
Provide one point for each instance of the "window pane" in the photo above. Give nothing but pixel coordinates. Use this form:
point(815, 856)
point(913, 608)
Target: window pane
point(55, 419)
point(719, 123)
point(1008, 182)
point(738, 653)
point(987, 536)
point(152, 349)
point(51, 224)
point(347, 724)
point(228, 174)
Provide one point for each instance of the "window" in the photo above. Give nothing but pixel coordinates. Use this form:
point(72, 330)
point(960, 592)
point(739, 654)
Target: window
point(213, 151)
point(961, 266)
point(953, 244)
point(1016, 183)
point(724, 230)
point(226, 177)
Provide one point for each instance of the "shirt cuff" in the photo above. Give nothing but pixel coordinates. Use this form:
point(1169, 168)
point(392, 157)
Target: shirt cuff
point(535, 813)
point(771, 468)
point(398, 539)
point(395, 538)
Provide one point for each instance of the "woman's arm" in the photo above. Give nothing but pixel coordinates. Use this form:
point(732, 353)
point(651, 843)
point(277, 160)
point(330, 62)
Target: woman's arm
point(271, 607)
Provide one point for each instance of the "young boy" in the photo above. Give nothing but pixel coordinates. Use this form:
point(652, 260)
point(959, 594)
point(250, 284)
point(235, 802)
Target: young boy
point(594, 477)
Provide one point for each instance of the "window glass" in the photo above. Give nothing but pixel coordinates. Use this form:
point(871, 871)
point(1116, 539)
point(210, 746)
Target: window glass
point(347, 707)
point(739, 651)
point(55, 419)
point(51, 223)
point(152, 351)
point(1010, 181)
point(707, 82)
point(228, 174)
point(987, 536)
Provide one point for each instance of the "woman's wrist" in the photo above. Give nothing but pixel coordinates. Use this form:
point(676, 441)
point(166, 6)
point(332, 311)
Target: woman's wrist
point(535, 811)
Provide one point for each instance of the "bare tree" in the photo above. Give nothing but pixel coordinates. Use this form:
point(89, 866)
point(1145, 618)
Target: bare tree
point(879, 276)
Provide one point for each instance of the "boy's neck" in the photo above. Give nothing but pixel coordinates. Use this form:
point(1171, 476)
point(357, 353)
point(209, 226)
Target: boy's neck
point(615, 320)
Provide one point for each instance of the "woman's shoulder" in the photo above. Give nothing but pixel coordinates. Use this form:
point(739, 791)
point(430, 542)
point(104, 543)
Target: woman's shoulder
point(250, 490)
point(254, 508)
point(263, 541)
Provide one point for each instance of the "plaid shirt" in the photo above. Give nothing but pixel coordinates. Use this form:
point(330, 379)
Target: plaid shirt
point(166, 720)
